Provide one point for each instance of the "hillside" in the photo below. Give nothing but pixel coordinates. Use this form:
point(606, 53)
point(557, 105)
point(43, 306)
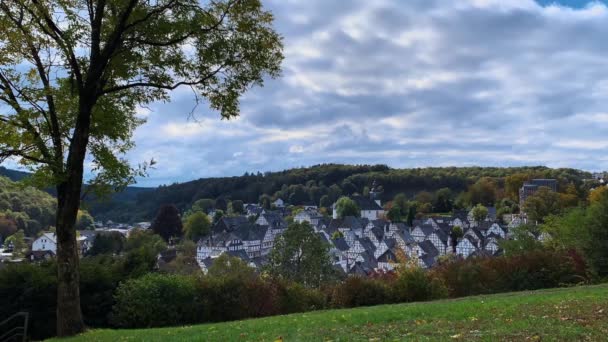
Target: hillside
point(309, 185)
point(306, 185)
point(25, 208)
point(573, 314)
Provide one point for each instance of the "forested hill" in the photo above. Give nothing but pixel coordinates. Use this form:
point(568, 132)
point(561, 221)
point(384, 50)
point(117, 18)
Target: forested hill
point(310, 184)
point(13, 175)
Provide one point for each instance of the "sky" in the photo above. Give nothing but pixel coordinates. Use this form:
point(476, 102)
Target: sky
point(407, 83)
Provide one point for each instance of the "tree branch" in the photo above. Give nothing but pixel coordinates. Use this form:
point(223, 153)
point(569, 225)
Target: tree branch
point(161, 86)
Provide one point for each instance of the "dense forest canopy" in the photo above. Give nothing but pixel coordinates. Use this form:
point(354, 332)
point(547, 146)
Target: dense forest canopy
point(311, 185)
point(326, 183)
point(24, 208)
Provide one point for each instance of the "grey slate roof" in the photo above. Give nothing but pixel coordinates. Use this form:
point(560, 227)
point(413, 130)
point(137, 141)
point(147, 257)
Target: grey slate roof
point(387, 256)
point(229, 223)
point(366, 203)
point(367, 244)
point(341, 244)
point(427, 229)
point(428, 248)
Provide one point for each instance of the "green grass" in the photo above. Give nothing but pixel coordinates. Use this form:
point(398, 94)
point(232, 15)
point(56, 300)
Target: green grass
point(572, 314)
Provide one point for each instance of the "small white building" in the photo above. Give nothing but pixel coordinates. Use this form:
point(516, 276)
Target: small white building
point(279, 203)
point(46, 242)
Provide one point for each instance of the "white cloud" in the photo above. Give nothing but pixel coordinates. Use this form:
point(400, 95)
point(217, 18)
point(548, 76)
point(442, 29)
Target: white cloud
point(407, 83)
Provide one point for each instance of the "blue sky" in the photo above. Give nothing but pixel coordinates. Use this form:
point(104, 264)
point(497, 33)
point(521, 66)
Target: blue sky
point(406, 83)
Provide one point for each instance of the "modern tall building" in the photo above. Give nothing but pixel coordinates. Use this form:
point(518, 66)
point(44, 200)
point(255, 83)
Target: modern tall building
point(530, 187)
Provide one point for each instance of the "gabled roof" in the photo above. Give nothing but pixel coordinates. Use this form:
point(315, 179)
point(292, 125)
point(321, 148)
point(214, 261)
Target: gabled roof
point(378, 233)
point(340, 244)
point(476, 233)
point(428, 248)
point(366, 203)
point(229, 223)
point(275, 220)
point(406, 236)
point(368, 245)
point(428, 260)
point(250, 232)
point(349, 222)
point(471, 240)
point(378, 223)
point(49, 236)
point(387, 256)
point(427, 229)
point(390, 243)
point(441, 235)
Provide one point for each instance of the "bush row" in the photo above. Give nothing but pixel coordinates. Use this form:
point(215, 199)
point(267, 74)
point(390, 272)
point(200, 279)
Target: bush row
point(113, 295)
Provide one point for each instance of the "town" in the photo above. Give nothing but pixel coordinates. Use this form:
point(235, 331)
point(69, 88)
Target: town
point(358, 245)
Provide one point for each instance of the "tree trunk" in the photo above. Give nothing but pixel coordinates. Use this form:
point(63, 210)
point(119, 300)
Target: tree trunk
point(69, 315)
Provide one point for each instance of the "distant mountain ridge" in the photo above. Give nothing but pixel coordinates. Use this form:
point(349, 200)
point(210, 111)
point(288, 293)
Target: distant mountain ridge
point(13, 175)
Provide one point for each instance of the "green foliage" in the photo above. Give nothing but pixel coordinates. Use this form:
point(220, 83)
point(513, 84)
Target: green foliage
point(217, 216)
point(84, 220)
point(8, 227)
point(155, 300)
point(167, 223)
point(336, 235)
point(480, 213)
point(236, 207)
point(300, 255)
point(414, 284)
point(142, 248)
point(394, 214)
point(325, 202)
point(347, 207)
point(265, 201)
point(226, 266)
point(538, 269)
point(107, 243)
point(31, 210)
point(483, 191)
point(358, 291)
point(327, 178)
point(542, 203)
point(456, 234)
point(18, 242)
point(528, 315)
point(197, 225)
point(443, 200)
point(523, 240)
point(203, 204)
point(31, 288)
point(585, 230)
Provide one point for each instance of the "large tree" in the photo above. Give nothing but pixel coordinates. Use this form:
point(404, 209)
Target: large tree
point(347, 207)
point(167, 222)
point(542, 203)
point(74, 72)
point(301, 255)
point(197, 225)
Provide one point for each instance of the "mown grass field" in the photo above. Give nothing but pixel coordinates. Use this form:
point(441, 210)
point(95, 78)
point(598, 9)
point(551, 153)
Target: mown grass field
point(572, 314)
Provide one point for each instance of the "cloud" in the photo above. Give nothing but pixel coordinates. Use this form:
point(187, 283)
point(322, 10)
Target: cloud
point(407, 83)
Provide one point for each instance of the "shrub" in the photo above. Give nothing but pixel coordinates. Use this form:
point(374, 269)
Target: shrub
point(99, 278)
point(31, 288)
point(156, 300)
point(293, 297)
point(359, 291)
point(415, 284)
point(536, 269)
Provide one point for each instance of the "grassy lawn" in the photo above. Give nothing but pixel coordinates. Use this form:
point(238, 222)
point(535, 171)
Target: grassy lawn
point(573, 314)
